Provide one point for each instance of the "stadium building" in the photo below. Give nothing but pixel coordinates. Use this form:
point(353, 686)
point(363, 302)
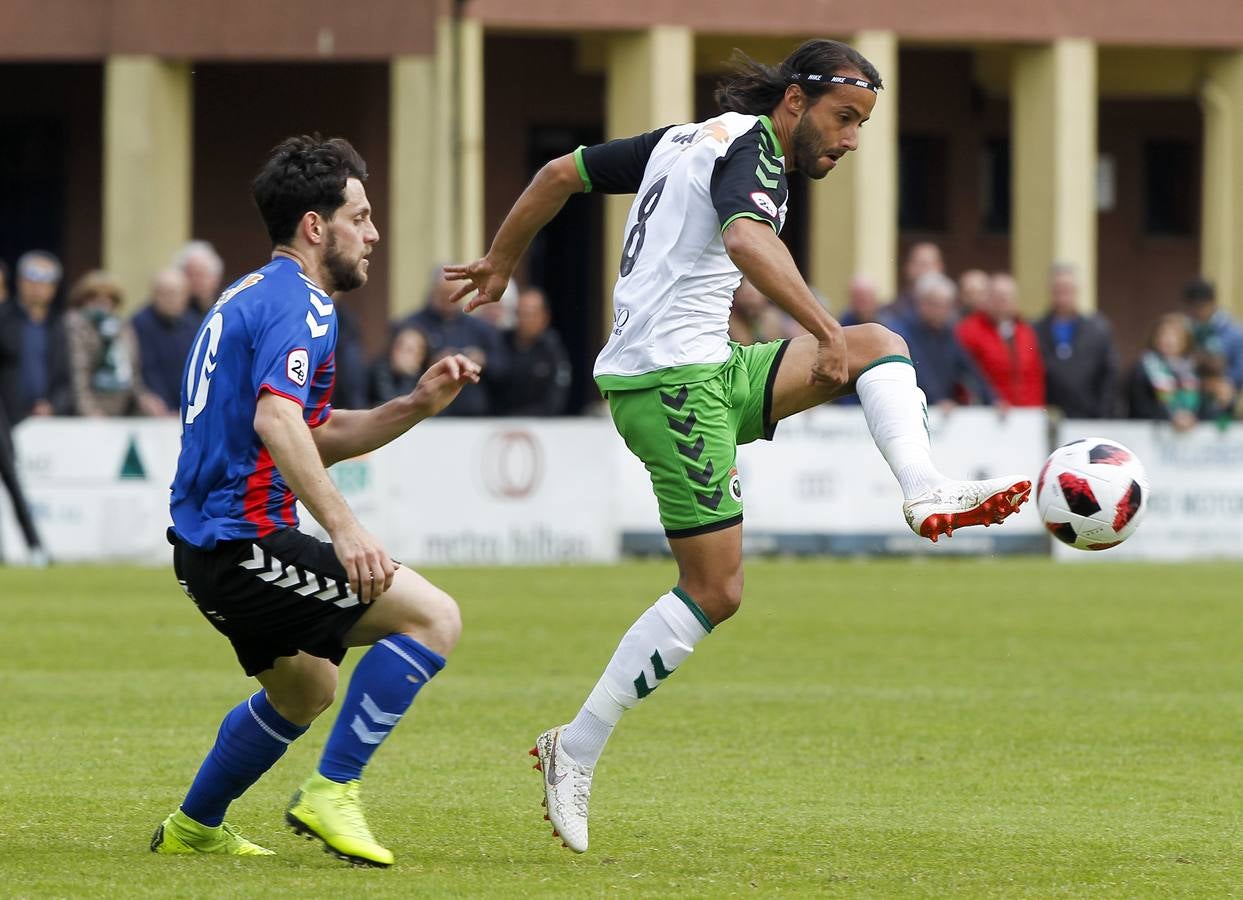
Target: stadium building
point(1012, 134)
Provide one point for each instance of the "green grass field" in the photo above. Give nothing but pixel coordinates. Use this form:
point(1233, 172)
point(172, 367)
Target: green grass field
point(970, 728)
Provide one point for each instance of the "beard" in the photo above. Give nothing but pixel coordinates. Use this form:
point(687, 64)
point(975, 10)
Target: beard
point(807, 149)
point(345, 275)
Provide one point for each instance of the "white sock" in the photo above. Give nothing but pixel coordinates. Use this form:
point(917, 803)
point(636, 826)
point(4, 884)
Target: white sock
point(657, 643)
point(897, 415)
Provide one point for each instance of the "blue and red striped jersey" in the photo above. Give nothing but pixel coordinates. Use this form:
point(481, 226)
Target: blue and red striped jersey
point(273, 330)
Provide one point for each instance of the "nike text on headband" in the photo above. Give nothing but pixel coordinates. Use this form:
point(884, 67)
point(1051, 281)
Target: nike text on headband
point(836, 79)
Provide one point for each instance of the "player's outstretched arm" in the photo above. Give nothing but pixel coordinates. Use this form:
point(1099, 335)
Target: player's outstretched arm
point(279, 424)
point(543, 198)
point(761, 256)
point(353, 432)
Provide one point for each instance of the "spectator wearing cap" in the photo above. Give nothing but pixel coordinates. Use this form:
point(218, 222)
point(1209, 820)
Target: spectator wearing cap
point(539, 370)
point(945, 372)
point(34, 349)
point(1080, 361)
point(203, 269)
point(165, 330)
point(1005, 347)
point(1213, 332)
point(103, 351)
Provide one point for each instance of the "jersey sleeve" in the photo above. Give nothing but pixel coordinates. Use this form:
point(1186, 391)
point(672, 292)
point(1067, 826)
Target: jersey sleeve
point(288, 356)
point(748, 182)
point(617, 166)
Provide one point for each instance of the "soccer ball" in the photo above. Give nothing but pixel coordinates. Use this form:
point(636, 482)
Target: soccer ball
point(1092, 493)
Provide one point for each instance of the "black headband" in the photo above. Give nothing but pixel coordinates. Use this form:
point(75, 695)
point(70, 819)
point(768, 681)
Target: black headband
point(836, 79)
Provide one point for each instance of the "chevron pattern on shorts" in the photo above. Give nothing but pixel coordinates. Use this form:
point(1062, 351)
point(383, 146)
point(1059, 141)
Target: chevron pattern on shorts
point(684, 428)
point(302, 582)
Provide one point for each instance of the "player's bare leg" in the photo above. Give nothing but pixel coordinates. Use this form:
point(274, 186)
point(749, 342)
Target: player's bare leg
point(882, 375)
point(411, 628)
point(300, 687)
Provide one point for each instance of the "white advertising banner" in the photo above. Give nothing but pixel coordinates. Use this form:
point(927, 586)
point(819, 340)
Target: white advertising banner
point(98, 488)
point(529, 491)
point(1195, 490)
point(512, 491)
point(450, 491)
point(821, 486)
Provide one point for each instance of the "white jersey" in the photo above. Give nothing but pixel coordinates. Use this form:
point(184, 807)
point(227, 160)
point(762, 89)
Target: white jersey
point(676, 283)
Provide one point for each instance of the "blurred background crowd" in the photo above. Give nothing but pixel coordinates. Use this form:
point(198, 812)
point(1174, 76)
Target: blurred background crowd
point(67, 349)
point(971, 345)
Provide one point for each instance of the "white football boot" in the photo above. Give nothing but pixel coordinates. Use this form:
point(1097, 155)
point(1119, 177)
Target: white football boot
point(957, 504)
point(567, 789)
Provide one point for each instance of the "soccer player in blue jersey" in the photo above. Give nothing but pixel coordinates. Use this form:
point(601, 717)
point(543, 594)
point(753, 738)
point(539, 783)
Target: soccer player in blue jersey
point(258, 431)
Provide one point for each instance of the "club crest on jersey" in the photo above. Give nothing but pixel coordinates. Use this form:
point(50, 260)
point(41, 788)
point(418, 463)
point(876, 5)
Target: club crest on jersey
point(764, 202)
point(298, 366)
point(735, 485)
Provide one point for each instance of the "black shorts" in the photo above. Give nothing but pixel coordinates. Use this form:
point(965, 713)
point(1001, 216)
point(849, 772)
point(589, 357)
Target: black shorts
point(271, 597)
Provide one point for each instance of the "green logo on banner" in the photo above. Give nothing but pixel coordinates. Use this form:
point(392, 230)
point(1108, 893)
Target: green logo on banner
point(132, 467)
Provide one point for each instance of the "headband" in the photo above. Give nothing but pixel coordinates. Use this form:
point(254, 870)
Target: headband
point(837, 79)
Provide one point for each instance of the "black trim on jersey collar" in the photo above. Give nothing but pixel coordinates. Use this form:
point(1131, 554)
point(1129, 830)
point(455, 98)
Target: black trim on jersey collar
point(836, 79)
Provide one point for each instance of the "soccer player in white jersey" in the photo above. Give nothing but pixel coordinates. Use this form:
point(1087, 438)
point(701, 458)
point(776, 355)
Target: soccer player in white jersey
point(711, 199)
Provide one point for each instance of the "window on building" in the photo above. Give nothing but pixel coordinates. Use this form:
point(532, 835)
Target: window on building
point(995, 186)
point(1170, 195)
point(923, 198)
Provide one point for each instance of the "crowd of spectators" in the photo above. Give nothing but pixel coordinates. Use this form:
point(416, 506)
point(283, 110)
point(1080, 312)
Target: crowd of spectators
point(75, 352)
point(972, 345)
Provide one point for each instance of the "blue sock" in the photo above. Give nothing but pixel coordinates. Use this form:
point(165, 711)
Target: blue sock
point(382, 689)
point(252, 737)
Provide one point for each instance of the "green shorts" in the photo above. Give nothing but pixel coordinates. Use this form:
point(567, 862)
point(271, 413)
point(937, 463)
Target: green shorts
point(687, 435)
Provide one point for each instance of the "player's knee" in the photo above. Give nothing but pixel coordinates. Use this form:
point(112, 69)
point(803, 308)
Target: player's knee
point(441, 626)
point(303, 706)
point(719, 599)
point(321, 699)
point(885, 342)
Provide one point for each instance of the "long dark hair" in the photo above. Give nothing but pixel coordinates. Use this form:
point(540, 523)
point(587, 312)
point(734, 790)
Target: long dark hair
point(304, 173)
point(755, 89)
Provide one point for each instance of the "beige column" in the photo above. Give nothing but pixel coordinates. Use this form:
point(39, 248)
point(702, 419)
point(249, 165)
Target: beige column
point(650, 76)
point(854, 211)
point(1221, 235)
point(1053, 136)
point(147, 165)
point(421, 211)
point(470, 161)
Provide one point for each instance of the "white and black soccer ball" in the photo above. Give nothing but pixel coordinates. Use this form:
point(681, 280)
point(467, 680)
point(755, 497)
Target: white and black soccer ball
point(1092, 493)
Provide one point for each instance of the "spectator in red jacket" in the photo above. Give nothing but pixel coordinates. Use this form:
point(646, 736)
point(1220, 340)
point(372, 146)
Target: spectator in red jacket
point(1005, 347)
